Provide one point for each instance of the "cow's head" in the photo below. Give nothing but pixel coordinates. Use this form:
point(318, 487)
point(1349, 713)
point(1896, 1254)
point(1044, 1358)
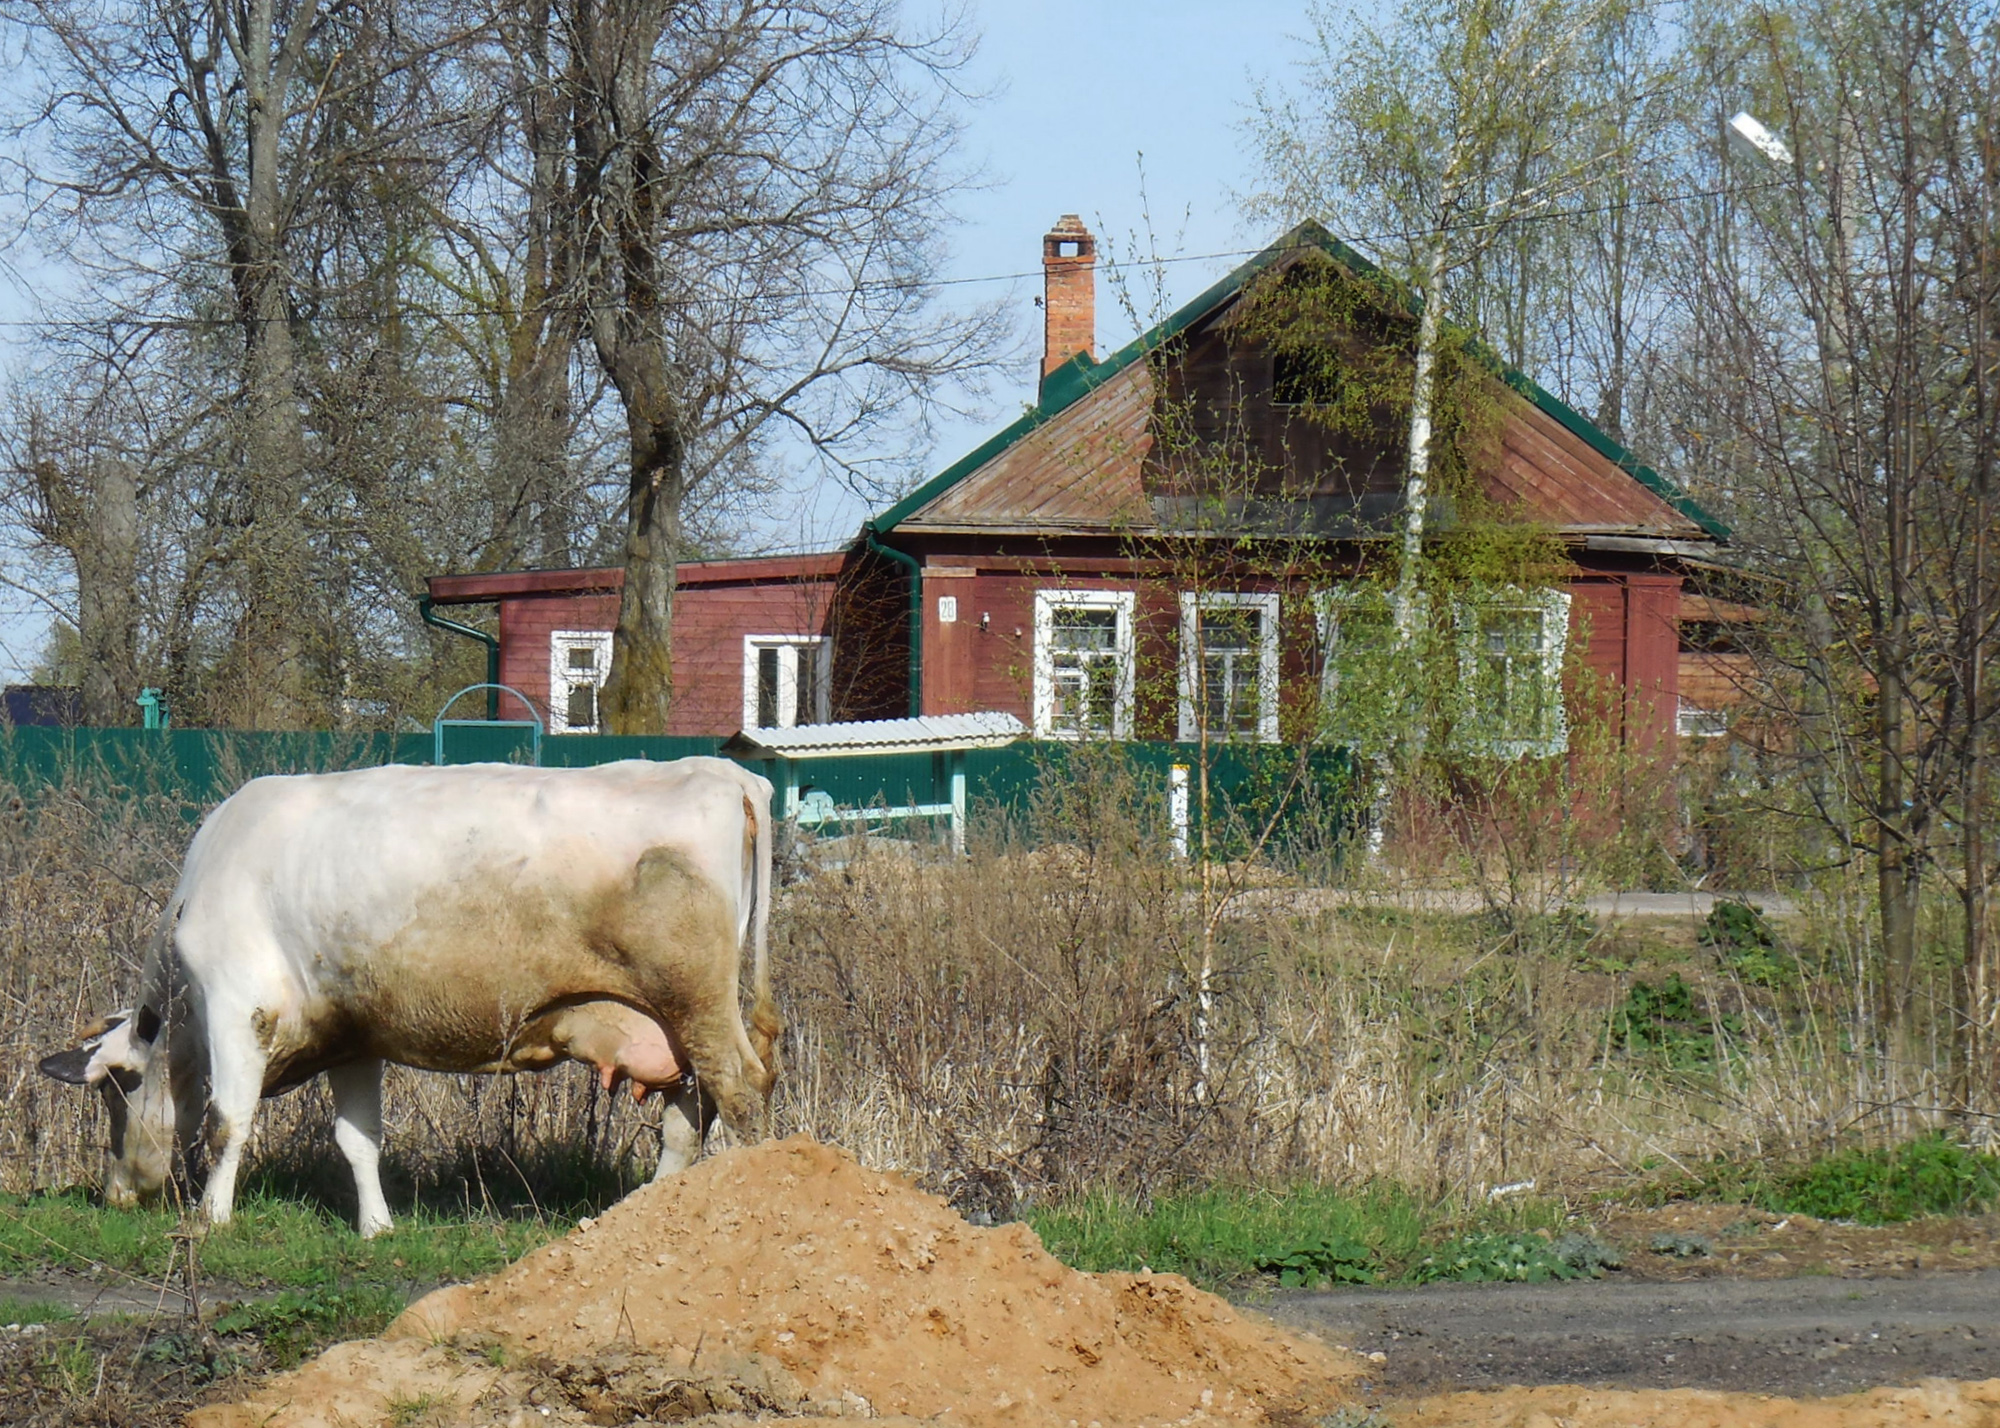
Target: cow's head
point(115, 1054)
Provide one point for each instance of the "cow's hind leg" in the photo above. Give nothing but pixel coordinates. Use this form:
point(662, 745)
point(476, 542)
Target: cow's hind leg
point(357, 1130)
point(690, 1112)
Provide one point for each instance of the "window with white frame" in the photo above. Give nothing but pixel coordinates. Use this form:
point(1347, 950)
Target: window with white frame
point(1691, 721)
point(1083, 664)
point(1368, 676)
point(787, 680)
point(579, 663)
point(1510, 655)
point(1229, 666)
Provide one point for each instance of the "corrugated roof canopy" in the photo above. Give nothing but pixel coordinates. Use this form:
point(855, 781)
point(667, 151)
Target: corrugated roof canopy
point(929, 734)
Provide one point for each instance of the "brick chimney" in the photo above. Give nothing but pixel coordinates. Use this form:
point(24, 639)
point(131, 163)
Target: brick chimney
point(1069, 302)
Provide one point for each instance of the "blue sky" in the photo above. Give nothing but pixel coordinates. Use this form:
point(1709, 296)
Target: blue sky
point(1078, 93)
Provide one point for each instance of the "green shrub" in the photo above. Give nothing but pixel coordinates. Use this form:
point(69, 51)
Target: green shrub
point(1932, 1175)
point(1743, 940)
point(1664, 1023)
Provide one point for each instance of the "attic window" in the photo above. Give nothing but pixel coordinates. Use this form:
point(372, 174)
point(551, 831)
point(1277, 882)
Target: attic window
point(1298, 380)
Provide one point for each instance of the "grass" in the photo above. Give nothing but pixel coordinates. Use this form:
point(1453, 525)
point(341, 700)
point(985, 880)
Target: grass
point(271, 1242)
point(297, 1321)
point(1231, 1238)
point(33, 1311)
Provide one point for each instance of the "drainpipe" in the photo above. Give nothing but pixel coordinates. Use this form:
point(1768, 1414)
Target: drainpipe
point(909, 563)
point(492, 643)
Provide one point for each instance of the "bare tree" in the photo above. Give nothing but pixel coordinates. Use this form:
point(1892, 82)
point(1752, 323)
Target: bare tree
point(1859, 329)
point(196, 154)
point(756, 195)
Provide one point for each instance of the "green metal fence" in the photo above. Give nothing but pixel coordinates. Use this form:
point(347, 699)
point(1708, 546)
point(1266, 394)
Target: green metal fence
point(201, 767)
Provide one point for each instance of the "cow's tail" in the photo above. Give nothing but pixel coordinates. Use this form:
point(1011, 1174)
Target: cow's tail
point(765, 1024)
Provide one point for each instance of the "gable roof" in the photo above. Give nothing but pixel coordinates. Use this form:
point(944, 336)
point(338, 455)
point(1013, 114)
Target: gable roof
point(1073, 496)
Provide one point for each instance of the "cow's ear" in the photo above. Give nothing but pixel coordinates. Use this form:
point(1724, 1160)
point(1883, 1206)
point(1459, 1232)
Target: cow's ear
point(109, 1022)
point(72, 1065)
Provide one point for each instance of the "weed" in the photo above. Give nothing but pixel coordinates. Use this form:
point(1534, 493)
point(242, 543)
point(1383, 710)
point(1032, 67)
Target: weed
point(1931, 1175)
point(406, 1412)
point(1226, 1236)
point(1331, 1259)
point(1354, 1418)
point(73, 1368)
point(1677, 1246)
point(270, 1241)
point(1588, 1255)
point(1522, 1259)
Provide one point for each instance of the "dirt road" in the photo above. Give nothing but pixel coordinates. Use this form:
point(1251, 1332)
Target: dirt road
point(1806, 1336)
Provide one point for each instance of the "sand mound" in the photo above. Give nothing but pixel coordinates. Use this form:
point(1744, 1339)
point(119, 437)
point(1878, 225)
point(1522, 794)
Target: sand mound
point(1958, 1405)
point(784, 1278)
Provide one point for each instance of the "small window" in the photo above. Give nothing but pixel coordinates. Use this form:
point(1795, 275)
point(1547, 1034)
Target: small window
point(1229, 667)
point(1301, 379)
point(1691, 721)
point(1083, 664)
point(579, 663)
point(1510, 659)
point(787, 680)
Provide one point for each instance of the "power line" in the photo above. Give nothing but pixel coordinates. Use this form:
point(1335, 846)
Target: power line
point(419, 311)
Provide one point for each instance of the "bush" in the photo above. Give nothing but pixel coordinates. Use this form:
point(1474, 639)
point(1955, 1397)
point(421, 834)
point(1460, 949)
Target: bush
point(1929, 1176)
point(1739, 934)
point(1932, 1175)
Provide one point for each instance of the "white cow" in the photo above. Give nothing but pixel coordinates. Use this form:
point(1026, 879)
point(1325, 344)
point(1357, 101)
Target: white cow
point(484, 917)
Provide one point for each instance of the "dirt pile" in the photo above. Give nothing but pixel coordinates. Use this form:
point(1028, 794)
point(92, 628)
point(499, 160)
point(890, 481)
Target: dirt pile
point(786, 1278)
point(1945, 1405)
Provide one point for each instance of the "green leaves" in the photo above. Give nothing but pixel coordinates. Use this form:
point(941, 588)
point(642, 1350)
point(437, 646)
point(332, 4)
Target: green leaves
point(1473, 1259)
point(1330, 1259)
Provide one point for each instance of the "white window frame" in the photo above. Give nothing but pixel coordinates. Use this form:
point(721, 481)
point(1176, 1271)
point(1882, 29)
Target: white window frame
point(1553, 607)
point(562, 679)
point(817, 702)
point(1328, 606)
point(1265, 603)
point(1691, 721)
point(1047, 602)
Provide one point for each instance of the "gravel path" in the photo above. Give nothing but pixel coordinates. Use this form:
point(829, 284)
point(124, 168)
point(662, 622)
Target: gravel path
point(1808, 1336)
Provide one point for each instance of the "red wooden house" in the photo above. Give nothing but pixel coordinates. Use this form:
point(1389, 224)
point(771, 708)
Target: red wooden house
point(1035, 576)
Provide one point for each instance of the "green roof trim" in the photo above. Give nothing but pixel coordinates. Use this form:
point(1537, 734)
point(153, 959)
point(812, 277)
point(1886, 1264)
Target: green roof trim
point(1078, 377)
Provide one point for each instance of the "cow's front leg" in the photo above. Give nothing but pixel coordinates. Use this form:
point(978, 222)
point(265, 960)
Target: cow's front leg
point(690, 1111)
point(236, 1085)
point(357, 1130)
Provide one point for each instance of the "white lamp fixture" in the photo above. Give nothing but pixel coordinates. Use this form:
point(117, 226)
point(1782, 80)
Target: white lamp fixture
point(1748, 136)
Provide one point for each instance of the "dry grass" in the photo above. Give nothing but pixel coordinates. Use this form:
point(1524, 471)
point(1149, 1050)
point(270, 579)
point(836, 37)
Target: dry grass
point(1024, 1021)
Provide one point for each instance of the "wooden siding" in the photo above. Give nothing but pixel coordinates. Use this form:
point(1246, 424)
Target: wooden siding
point(712, 615)
point(1093, 467)
point(1624, 629)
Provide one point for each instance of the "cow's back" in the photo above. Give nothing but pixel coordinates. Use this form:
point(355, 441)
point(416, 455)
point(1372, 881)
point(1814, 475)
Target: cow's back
point(425, 914)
